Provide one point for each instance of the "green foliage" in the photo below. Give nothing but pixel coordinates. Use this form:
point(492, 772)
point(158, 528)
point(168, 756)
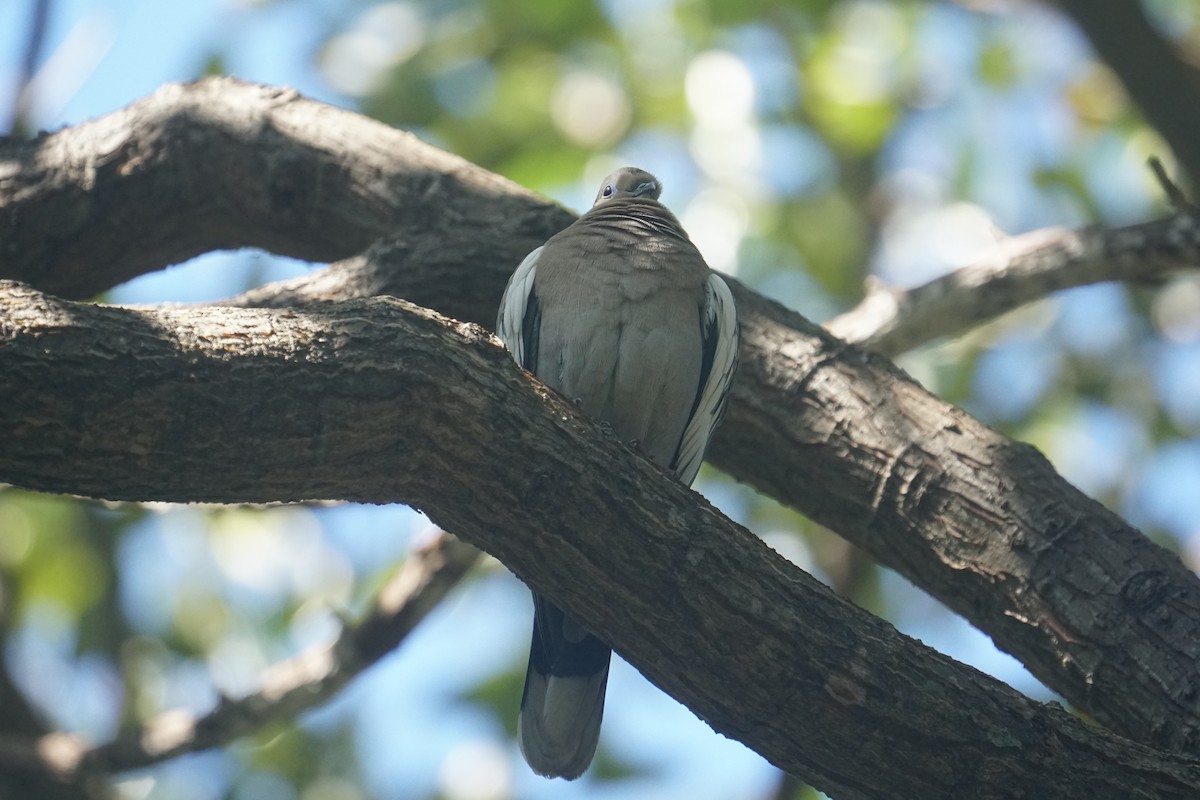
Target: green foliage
point(500, 694)
point(911, 108)
point(44, 544)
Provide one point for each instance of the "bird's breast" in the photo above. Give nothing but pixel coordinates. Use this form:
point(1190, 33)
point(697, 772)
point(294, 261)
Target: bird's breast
point(629, 351)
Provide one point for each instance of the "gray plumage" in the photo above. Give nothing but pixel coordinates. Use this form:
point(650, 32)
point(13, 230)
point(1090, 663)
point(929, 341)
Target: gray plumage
point(620, 313)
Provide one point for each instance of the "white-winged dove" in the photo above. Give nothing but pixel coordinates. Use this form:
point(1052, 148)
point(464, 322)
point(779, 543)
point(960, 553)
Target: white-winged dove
point(620, 313)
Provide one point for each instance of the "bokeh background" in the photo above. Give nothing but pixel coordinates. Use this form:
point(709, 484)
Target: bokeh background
point(807, 146)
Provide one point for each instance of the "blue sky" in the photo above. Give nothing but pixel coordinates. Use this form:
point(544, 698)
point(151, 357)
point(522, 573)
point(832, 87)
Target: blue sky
point(104, 55)
point(404, 710)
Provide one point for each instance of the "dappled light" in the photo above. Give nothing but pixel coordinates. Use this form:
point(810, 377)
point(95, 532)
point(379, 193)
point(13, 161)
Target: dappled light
point(911, 174)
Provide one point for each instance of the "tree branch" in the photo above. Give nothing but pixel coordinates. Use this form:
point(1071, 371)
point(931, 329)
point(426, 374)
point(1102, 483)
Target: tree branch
point(29, 777)
point(222, 164)
point(1019, 270)
point(1090, 606)
point(1095, 610)
point(288, 687)
point(380, 401)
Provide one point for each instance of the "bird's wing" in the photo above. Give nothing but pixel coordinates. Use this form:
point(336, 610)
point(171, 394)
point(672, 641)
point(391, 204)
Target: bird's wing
point(520, 317)
point(719, 336)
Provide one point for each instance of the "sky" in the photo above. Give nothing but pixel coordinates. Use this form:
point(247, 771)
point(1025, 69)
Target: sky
point(104, 54)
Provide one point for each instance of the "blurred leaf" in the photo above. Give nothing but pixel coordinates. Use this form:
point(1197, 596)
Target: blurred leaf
point(549, 22)
point(997, 65)
point(889, 92)
point(501, 694)
point(283, 748)
point(215, 65)
point(69, 573)
point(853, 127)
point(527, 77)
point(550, 166)
point(19, 526)
point(1097, 97)
point(405, 99)
point(831, 234)
point(201, 619)
point(1069, 179)
point(607, 767)
point(52, 519)
point(851, 101)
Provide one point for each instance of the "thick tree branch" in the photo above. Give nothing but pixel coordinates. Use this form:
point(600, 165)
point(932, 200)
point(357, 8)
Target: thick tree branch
point(288, 687)
point(982, 522)
point(1095, 610)
point(223, 164)
point(1019, 270)
point(380, 401)
point(1161, 80)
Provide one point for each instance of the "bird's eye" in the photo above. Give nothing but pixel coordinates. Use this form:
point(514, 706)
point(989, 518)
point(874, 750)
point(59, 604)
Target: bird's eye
point(608, 190)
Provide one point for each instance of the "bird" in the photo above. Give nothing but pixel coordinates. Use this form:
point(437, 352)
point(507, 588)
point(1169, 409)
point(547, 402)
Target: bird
point(619, 313)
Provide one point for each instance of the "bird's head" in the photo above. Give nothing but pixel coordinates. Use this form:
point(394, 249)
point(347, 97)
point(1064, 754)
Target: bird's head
point(627, 183)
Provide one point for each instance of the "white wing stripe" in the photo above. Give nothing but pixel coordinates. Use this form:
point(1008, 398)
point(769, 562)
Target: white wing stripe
point(510, 322)
point(720, 324)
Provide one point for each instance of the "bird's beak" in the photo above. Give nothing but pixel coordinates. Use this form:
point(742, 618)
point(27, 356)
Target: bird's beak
point(649, 187)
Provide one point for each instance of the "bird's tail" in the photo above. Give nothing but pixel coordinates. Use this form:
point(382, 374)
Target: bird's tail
point(563, 702)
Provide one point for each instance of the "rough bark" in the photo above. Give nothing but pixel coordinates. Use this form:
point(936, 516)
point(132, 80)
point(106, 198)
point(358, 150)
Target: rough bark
point(378, 401)
point(220, 164)
point(1095, 610)
point(816, 425)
